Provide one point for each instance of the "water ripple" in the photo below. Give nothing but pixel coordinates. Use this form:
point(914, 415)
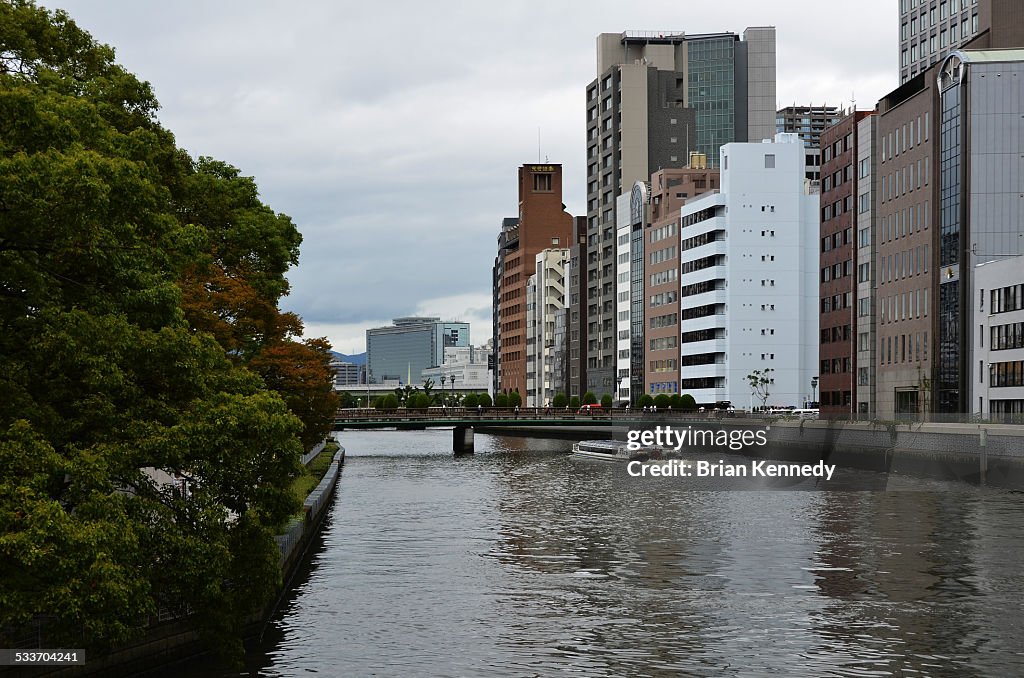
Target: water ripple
point(522, 561)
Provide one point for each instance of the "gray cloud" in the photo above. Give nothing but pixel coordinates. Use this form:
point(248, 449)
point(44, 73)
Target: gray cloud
point(392, 134)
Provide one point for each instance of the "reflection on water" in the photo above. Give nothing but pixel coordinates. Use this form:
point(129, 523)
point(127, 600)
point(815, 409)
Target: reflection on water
point(523, 561)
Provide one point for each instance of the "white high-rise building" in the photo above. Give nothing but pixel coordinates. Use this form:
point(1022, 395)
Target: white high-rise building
point(749, 279)
point(623, 297)
point(546, 301)
point(658, 95)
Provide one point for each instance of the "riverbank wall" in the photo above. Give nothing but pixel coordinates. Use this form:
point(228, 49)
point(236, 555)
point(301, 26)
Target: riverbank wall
point(990, 454)
point(294, 541)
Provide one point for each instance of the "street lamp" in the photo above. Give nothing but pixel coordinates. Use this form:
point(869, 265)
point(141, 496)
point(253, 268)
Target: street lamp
point(814, 390)
point(618, 380)
point(443, 395)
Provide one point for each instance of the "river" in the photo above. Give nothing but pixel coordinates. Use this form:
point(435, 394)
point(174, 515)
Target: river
point(523, 561)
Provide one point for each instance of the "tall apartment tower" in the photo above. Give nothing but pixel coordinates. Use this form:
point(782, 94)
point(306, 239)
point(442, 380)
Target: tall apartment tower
point(657, 96)
point(931, 29)
point(748, 284)
point(546, 293)
point(807, 121)
point(542, 223)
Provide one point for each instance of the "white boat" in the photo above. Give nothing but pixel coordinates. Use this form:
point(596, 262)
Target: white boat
point(613, 450)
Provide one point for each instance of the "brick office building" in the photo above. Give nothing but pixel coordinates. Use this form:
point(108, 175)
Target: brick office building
point(542, 223)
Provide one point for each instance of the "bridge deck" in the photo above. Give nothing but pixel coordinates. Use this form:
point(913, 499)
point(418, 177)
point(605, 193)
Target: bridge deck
point(437, 417)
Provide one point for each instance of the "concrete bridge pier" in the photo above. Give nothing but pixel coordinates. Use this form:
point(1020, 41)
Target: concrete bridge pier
point(462, 440)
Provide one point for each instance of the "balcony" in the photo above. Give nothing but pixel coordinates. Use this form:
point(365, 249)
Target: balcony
point(717, 246)
point(702, 371)
point(709, 395)
point(709, 346)
point(703, 299)
point(707, 322)
point(709, 273)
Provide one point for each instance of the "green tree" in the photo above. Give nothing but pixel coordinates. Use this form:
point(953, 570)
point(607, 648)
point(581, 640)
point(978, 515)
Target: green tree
point(646, 400)
point(470, 400)
point(388, 401)
point(300, 373)
point(137, 288)
point(606, 400)
point(675, 401)
point(574, 402)
point(559, 401)
point(589, 398)
point(687, 403)
point(484, 399)
point(514, 399)
point(760, 381)
point(501, 400)
point(662, 401)
point(403, 393)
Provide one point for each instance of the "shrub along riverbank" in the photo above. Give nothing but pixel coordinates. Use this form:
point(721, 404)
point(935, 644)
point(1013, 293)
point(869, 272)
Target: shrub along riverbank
point(314, 471)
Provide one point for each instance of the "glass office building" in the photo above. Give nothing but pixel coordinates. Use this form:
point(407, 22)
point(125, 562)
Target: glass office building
point(402, 351)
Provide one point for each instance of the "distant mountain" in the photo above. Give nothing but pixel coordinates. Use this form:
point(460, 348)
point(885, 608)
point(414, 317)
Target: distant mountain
point(355, 359)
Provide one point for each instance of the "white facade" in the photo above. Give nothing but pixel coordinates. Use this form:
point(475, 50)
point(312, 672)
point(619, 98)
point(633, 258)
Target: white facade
point(622, 294)
point(546, 295)
point(465, 370)
point(749, 278)
point(997, 339)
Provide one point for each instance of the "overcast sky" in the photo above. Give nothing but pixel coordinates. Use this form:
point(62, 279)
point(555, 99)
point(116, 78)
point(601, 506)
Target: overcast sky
point(391, 133)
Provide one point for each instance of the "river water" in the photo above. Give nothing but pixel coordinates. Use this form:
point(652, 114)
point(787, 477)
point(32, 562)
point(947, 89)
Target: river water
point(523, 561)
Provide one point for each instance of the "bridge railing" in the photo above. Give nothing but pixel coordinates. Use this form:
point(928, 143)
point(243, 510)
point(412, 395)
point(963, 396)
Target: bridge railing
point(440, 414)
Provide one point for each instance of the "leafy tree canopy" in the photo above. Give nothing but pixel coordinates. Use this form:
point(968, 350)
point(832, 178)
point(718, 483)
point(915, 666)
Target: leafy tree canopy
point(152, 394)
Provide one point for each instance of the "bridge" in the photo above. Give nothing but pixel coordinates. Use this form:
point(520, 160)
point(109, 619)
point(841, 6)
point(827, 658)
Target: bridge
point(463, 420)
